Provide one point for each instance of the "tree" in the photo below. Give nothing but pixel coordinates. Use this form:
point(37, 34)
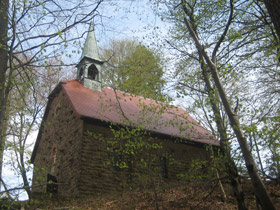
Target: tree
point(31, 33)
point(273, 7)
point(198, 85)
point(215, 30)
point(27, 102)
point(133, 68)
point(233, 117)
point(4, 5)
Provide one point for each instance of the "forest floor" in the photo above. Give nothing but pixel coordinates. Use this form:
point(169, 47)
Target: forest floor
point(202, 195)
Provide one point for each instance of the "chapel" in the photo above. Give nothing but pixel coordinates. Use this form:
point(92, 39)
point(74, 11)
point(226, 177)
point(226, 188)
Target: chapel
point(94, 139)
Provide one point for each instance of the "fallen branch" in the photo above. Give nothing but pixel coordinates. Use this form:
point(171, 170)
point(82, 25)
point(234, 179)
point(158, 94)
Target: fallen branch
point(211, 191)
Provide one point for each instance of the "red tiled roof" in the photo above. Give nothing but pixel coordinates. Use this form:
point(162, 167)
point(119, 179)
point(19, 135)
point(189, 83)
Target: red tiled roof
point(122, 108)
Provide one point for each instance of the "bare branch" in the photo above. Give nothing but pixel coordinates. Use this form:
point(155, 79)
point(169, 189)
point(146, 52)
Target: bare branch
point(224, 33)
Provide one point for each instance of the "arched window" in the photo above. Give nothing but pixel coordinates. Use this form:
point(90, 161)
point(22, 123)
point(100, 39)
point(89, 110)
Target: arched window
point(81, 72)
point(51, 176)
point(53, 154)
point(93, 72)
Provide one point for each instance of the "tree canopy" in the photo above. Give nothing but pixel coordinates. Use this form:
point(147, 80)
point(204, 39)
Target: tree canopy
point(133, 68)
point(226, 49)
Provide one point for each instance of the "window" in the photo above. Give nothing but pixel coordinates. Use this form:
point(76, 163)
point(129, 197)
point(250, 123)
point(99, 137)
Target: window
point(52, 186)
point(81, 72)
point(93, 72)
point(53, 154)
point(53, 158)
point(163, 167)
point(116, 161)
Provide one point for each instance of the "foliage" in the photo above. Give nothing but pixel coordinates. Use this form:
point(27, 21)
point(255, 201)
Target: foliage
point(265, 136)
point(26, 105)
point(225, 43)
point(33, 35)
point(133, 68)
point(206, 170)
point(133, 150)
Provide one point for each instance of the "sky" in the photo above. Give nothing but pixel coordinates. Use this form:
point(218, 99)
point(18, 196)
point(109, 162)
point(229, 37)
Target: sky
point(128, 19)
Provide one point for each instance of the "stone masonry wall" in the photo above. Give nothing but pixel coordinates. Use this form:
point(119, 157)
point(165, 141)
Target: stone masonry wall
point(83, 164)
point(60, 148)
point(99, 176)
point(96, 175)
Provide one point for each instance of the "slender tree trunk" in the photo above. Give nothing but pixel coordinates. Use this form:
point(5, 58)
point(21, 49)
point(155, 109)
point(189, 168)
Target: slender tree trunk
point(258, 154)
point(260, 189)
point(150, 171)
point(230, 166)
point(4, 5)
point(258, 185)
point(154, 188)
point(24, 176)
point(273, 8)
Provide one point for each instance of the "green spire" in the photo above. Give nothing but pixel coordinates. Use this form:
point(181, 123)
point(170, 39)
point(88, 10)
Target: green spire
point(89, 66)
point(90, 48)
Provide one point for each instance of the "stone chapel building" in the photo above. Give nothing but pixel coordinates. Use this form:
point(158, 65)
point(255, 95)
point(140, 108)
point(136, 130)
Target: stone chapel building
point(72, 149)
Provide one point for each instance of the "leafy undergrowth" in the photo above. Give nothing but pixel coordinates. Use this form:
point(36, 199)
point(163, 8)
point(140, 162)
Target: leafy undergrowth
point(188, 196)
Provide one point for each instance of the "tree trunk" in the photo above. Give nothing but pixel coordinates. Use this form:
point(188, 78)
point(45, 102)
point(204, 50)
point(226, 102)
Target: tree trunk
point(4, 5)
point(258, 185)
point(273, 8)
point(230, 166)
point(260, 189)
point(24, 176)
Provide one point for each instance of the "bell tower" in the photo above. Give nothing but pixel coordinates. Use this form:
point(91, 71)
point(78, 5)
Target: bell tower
point(89, 66)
